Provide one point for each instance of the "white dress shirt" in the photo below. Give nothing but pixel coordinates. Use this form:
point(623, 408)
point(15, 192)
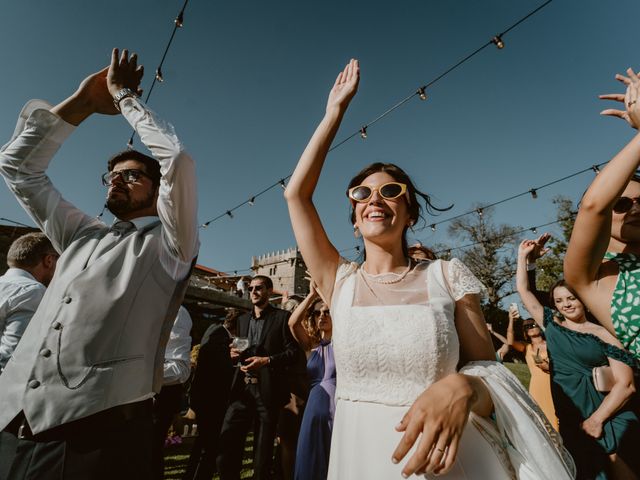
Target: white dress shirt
point(177, 356)
point(20, 295)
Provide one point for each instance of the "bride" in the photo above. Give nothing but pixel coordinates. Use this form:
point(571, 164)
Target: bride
point(400, 330)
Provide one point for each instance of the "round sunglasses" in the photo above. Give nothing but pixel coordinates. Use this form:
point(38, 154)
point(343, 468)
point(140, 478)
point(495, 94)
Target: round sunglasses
point(388, 191)
point(624, 204)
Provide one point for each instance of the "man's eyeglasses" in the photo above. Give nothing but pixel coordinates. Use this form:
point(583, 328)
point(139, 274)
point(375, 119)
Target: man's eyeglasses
point(388, 191)
point(257, 288)
point(624, 204)
point(128, 175)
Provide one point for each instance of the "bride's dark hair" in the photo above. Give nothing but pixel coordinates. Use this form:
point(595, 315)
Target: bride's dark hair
point(414, 207)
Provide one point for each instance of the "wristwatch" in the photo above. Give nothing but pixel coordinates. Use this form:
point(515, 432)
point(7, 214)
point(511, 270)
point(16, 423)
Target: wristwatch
point(121, 95)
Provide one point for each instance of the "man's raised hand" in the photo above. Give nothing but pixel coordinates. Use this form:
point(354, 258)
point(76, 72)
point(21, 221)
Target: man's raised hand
point(124, 72)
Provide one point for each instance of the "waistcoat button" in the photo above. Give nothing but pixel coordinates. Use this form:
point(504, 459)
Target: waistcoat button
point(56, 325)
point(34, 384)
point(67, 299)
point(45, 352)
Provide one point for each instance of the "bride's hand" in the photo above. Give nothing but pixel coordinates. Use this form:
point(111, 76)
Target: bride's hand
point(440, 414)
point(345, 87)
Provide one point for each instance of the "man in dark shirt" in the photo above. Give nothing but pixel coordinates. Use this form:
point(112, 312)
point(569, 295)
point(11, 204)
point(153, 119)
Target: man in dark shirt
point(260, 387)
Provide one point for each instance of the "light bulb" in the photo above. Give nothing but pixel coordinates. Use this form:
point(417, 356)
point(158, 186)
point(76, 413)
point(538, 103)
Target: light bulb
point(422, 93)
point(252, 201)
point(363, 132)
point(179, 21)
point(229, 213)
point(497, 41)
point(159, 76)
point(534, 193)
point(433, 227)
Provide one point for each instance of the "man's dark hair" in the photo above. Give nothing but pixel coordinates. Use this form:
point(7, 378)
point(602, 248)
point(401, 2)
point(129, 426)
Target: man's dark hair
point(28, 250)
point(266, 280)
point(151, 165)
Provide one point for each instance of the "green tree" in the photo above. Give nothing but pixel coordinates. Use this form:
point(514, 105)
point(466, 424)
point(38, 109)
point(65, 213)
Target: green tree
point(491, 255)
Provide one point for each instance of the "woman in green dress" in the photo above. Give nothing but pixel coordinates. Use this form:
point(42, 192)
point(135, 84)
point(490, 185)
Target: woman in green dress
point(599, 429)
point(603, 257)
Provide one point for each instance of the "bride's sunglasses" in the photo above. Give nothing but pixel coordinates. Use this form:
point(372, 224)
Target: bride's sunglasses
point(624, 204)
point(388, 191)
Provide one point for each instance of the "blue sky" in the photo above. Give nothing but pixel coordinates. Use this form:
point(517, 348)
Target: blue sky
point(246, 84)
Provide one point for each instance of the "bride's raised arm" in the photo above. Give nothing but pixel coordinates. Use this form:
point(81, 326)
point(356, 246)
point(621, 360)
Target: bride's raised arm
point(320, 256)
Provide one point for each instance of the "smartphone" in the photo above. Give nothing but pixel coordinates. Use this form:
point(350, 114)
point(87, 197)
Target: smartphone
point(514, 308)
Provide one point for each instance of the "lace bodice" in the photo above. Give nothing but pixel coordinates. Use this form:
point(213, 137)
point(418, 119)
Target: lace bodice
point(388, 350)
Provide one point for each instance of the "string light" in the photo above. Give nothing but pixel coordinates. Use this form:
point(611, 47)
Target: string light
point(229, 214)
point(357, 248)
point(282, 184)
point(497, 41)
point(596, 169)
point(422, 93)
point(534, 193)
point(363, 130)
point(528, 192)
point(479, 212)
point(534, 230)
point(513, 234)
point(252, 201)
point(130, 143)
point(433, 227)
point(177, 23)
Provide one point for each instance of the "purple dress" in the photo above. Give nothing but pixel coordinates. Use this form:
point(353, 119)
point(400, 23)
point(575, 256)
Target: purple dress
point(314, 441)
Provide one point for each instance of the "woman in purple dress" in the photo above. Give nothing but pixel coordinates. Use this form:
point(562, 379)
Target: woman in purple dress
point(310, 325)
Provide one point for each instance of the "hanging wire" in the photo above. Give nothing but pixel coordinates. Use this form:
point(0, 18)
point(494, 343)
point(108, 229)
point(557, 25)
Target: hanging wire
point(178, 22)
point(529, 192)
point(513, 234)
point(420, 93)
point(20, 224)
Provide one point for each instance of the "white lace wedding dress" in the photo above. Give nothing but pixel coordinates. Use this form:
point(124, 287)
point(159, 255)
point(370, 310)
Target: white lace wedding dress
point(393, 336)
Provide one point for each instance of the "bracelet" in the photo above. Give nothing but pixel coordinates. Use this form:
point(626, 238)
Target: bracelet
point(121, 95)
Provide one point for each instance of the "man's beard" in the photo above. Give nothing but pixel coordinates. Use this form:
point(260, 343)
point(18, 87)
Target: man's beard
point(123, 205)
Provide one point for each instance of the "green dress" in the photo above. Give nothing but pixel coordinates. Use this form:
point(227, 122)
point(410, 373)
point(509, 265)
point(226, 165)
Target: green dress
point(625, 302)
point(572, 357)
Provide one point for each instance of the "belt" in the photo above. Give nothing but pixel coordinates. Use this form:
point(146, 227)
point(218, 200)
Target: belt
point(21, 429)
point(251, 380)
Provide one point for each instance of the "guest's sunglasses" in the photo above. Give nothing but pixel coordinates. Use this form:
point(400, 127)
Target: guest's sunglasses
point(128, 175)
point(529, 326)
point(388, 191)
point(624, 204)
point(257, 288)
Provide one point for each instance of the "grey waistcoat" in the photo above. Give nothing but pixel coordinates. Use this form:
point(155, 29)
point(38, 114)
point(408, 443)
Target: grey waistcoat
point(98, 337)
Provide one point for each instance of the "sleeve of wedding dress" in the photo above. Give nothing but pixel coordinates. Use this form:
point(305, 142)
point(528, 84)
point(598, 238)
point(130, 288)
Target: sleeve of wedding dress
point(462, 281)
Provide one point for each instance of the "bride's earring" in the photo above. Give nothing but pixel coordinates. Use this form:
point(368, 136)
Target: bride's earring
point(411, 223)
point(356, 231)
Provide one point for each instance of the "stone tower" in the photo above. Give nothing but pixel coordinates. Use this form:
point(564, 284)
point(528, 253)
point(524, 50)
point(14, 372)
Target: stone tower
point(285, 268)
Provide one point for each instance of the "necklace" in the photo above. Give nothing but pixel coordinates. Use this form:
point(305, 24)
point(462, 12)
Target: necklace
point(398, 276)
point(364, 276)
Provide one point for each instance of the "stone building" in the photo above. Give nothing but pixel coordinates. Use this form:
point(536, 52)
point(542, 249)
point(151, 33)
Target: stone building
point(286, 269)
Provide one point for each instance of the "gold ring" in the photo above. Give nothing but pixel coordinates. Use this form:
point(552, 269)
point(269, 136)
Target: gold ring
point(441, 450)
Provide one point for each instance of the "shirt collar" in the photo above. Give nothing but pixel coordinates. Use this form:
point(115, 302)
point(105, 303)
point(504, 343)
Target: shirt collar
point(265, 312)
point(18, 272)
point(140, 222)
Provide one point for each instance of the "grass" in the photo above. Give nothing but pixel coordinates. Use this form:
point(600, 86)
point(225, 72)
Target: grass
point(177, 456)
